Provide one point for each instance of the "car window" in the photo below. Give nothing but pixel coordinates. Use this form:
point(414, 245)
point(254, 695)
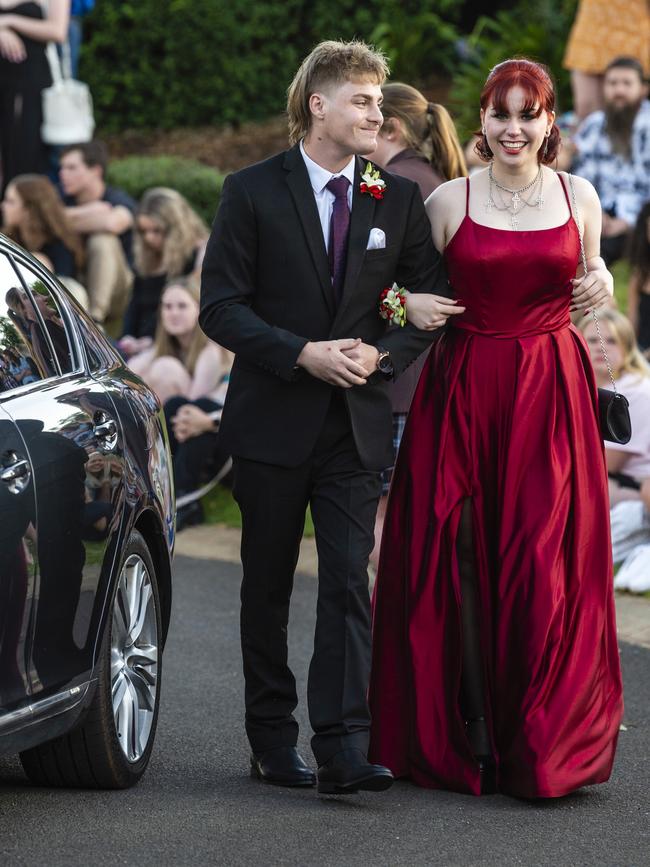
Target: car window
point(51, 316)
point(20, 359)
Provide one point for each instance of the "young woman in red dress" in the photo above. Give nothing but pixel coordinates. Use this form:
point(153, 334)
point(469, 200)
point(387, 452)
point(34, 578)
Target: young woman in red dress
point(495, 663)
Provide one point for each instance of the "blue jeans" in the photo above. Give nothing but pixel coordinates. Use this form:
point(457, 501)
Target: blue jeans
point(75, 34)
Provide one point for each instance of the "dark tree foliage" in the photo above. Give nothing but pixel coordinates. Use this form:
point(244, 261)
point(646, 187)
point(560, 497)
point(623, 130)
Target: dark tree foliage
point(168, 63)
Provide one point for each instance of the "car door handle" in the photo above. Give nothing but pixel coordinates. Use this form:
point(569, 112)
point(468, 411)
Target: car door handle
point(105, 432)
point(15, 473)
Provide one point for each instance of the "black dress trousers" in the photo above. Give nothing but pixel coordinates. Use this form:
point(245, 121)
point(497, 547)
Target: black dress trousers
point(273, 501)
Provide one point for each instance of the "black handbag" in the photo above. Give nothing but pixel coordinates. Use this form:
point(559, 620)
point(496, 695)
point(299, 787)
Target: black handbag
point(614, 416)
point(613, 407)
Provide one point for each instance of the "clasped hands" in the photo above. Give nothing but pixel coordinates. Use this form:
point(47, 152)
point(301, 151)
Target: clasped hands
point(191, 421)
point(350, 361)
point(344, 363)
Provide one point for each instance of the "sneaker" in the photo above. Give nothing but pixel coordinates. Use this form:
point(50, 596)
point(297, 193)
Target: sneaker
point(637, 569)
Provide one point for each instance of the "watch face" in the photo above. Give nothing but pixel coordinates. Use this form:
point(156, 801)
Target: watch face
point(385, 363)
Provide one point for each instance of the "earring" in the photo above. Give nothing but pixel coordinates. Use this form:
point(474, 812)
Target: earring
point(546, 145)
point(485, 149)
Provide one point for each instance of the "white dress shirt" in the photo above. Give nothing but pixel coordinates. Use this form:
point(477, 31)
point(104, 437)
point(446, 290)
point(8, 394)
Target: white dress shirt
point(319, 177)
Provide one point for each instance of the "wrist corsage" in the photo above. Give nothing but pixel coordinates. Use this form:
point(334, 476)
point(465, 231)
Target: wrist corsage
point(392, 305)
point(372, 183)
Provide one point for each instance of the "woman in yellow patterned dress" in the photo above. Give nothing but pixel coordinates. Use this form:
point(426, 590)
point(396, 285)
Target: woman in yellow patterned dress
point(603, 30)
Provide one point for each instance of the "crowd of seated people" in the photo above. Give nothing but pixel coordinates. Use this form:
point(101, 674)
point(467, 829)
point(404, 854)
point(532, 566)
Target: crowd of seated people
point(135, 268)
point(170, 239)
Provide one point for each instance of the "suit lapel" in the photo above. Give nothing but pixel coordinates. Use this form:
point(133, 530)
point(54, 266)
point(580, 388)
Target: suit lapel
point(363, 211)
point(303, 196)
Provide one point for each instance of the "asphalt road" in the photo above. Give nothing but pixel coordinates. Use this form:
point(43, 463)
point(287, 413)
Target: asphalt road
point(197, 805)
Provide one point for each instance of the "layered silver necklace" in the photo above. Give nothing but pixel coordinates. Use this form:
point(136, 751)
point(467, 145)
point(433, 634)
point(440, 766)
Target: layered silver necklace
point(517, 202)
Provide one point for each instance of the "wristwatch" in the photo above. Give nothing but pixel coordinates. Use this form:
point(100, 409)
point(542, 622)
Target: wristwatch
point(384, 363)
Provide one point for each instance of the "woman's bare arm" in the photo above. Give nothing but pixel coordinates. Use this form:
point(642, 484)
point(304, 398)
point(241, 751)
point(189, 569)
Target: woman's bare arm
point(52, 28)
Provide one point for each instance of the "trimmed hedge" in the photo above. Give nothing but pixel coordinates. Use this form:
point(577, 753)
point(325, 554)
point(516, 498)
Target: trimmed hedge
point(200, 184)
point(170, 63)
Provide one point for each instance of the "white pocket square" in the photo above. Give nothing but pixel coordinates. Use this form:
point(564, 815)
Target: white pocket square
point(376, 239)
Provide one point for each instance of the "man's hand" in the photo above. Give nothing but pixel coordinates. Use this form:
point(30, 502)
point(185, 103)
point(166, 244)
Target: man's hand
point(328, 360)
point(12, 47)
point(365, 355)
point(427, 311)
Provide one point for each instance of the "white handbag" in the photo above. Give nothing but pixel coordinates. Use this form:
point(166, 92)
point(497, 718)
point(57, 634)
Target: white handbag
point(67, 104)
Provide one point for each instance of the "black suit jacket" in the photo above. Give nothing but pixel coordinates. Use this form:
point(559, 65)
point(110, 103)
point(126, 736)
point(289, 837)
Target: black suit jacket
point(266, 290)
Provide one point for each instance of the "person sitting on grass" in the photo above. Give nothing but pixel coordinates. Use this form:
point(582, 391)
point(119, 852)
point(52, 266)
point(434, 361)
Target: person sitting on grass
point(34, 217)
point(199, 461)
point(634, 572)
point(628, 465)
point(182, 361)
point(103, 215)
point(170, 239)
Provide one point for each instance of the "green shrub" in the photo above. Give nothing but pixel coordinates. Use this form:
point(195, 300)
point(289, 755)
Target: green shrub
point(538, 31)
point(200, 184)
point(169, 63)
point(418, 40)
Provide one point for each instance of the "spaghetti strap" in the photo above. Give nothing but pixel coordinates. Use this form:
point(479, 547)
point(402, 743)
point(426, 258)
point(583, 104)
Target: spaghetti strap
point(566, 195)
point(467, 198)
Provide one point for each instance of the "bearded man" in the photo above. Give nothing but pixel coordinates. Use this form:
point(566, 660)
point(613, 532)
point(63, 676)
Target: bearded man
point(612, 150)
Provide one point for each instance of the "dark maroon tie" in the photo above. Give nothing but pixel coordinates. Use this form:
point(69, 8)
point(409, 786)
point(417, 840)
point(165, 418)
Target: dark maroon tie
point(339, 231)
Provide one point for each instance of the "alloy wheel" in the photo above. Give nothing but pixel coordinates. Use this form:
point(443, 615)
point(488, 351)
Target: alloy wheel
point(134, 658)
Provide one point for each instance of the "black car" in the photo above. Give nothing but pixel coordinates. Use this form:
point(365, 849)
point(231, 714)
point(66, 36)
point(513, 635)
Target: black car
point(86, 540)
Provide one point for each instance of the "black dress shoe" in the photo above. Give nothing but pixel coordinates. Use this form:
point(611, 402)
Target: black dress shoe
point(282, 766)
point(349, 771)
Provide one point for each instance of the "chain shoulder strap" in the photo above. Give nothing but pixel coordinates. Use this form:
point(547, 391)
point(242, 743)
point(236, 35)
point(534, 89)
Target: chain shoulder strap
point(576, 215)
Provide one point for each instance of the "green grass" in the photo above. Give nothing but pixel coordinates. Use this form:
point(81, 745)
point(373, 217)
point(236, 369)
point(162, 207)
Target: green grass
point(621, 272)
point(219, 507)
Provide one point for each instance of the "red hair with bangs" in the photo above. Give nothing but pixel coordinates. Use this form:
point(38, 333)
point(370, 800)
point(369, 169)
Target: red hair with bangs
point(536, 82)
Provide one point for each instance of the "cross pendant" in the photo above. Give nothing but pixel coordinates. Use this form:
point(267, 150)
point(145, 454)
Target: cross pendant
point(516, 201)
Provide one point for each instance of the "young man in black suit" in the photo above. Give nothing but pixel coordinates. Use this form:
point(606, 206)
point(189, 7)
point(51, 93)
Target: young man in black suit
point(299, 254)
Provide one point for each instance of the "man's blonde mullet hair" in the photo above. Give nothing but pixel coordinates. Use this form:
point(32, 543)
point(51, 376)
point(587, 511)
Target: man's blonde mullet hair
point(330, 62)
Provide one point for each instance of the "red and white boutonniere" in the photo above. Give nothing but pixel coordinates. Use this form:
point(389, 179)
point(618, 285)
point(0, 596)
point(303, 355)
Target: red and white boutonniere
point(372, 183)
point(392, 305)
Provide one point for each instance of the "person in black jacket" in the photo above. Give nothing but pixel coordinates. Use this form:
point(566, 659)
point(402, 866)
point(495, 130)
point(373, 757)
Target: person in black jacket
point(301, 249)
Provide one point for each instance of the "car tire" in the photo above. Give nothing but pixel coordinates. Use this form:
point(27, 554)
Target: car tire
point(111, 747)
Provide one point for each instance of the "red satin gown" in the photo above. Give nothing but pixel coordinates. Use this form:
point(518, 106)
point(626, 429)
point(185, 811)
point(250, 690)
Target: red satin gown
point(505, 414)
